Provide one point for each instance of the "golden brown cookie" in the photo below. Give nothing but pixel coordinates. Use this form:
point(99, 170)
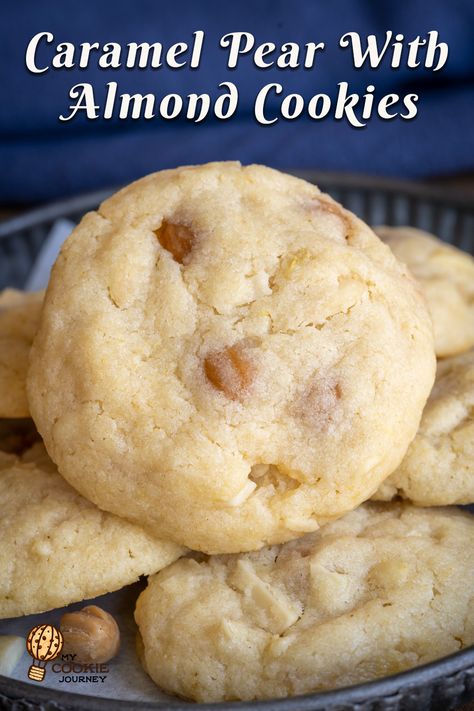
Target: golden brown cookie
point(383, 589)
point(446, 275)
point(19, 317)
point(438, 468)
point(58, 548)
point(219, 357)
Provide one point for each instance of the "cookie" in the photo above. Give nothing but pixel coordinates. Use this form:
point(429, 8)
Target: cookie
point(384, 589)
point(57, 547)
point(446, 275)
point(438, 468)
point(19, 317)
point(219, 357)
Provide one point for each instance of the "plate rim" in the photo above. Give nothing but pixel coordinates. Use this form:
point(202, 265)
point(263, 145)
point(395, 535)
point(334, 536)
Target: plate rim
point(377, 689)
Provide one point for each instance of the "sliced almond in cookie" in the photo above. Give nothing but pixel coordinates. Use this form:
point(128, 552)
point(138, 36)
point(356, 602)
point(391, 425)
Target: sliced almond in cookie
point(248, 488)
point(279, 612)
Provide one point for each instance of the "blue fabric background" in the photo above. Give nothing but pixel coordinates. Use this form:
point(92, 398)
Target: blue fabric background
point(42, 158)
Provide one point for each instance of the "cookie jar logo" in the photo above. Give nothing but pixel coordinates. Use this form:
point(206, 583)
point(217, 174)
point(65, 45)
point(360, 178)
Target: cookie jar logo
point(44, 643)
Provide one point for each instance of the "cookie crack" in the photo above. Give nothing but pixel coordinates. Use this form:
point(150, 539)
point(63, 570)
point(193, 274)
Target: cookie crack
point(112, 300)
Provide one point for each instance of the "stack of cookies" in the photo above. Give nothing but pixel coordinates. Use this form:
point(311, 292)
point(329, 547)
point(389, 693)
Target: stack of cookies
point(228, 364)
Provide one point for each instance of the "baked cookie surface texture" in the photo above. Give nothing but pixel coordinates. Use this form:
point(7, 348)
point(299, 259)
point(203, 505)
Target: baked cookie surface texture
point(224, 349)
point(19, 318)
point(446, 275)
point(56, 547)
point(438, 468)
point(384, 589)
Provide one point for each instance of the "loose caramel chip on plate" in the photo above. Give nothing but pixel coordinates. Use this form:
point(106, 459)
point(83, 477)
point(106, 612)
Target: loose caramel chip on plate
point(92, 634)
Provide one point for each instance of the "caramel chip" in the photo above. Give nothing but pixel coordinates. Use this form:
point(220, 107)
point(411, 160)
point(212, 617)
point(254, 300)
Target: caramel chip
point(321, 403)
point(176, 239)
point(92, 634)
point(230, 370)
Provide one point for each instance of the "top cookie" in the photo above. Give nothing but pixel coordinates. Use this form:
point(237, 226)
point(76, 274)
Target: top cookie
point(229, 357)
point(446, 275)
point(19, 317)
point(438, 468)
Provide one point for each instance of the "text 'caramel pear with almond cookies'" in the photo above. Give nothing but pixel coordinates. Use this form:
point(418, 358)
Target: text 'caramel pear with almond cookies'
point(228, 357)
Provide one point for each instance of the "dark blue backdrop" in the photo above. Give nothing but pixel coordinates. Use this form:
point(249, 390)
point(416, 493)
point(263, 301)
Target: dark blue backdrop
point(42, 158)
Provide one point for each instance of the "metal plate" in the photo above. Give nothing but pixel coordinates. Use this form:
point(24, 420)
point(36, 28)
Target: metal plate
point(439, 686)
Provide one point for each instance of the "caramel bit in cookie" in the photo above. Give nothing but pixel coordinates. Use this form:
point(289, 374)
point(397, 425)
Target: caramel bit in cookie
point(230, 370)
point(320, 205)
point(176, 239)
point(320, 405)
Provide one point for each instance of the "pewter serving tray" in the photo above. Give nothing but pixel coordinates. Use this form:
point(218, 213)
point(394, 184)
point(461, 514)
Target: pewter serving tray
point(439, 686)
